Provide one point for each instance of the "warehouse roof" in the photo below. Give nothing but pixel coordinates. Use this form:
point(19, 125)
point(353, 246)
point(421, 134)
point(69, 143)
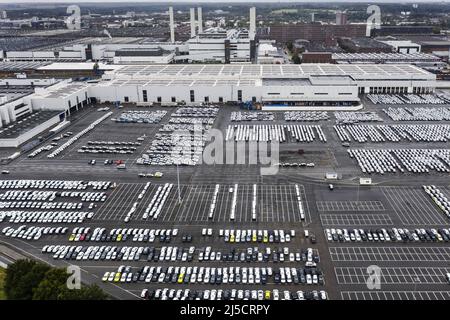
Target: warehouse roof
point(253, 71)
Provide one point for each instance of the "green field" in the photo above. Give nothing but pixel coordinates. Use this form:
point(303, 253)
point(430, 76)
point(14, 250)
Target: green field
point(2, 282)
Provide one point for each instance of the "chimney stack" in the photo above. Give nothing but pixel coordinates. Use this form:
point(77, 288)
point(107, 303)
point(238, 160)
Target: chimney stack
point(172, 26)
point(199, 19)
point(252, 29)
point(192, 22)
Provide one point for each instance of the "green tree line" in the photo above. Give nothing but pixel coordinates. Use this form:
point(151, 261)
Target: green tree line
point(32, 280)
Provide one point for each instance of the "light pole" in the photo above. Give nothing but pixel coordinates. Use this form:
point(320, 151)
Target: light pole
point(178, 180)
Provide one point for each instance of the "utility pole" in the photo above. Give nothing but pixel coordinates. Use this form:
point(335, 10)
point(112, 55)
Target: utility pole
point(178, 180)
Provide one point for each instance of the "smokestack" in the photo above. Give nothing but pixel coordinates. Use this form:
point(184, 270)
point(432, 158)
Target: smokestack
point(199, 19)
point(312, 17)
point(252, 29)
point(192, 22)
point(172, 26)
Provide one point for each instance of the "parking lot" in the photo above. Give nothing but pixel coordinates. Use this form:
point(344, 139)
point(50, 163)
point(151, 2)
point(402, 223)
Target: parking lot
point(276, 203)
point(391, 253)
point(355, 220)
point(393, 275)
point(395, 295)
point(395, 200)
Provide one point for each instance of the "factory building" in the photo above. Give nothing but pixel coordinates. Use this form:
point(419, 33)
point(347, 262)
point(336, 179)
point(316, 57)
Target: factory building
point(285, 87)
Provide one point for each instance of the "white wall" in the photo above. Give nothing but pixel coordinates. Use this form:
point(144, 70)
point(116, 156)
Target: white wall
point(8, 113)
point(15, 142)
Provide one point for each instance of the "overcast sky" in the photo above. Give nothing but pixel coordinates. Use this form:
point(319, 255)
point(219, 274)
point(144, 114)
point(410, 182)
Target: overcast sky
point(214, 1)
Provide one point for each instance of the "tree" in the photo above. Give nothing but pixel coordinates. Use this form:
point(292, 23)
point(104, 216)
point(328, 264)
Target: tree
point(21, 277)
point(26, 280)
point(91, 292)
point(54, 287)
point(51, 286)
point(296, 59)
point(289, 46)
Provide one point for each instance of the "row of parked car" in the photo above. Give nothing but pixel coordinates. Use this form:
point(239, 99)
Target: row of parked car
point(438, 198)
point(238, 116)
point(231, 294)
point(405, 99)
point(254, 235)
point(306, 116)
point(39, 150)
point(55, 184)
point(394, 133)
point(85, 253)
point(280, 133)
point(139, 116)
point(50, 196)
point(194, 112)
point(100, 234)
point(40, 205)
point(32, 232)
point(401, 160)
point(386, 235)
point(107, 149)
point(187, 120)
point(418, 114)
point(309, 256)
point(216, 275)
point(113, 143)
point(156, 204)
point(350, 117)
point(77, 136)
point(20, 216)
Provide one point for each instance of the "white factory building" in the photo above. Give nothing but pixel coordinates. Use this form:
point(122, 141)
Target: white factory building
point(286, 87)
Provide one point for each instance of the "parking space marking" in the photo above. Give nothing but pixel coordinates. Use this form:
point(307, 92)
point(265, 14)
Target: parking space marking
point(393, 275)
point(413, 206)
point(352, 254)
point(395, 295)
point(350, 206)
point(329, 220)
point(275, 203)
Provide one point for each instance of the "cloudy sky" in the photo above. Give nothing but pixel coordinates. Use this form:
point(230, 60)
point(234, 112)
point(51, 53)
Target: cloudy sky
point(216, 1)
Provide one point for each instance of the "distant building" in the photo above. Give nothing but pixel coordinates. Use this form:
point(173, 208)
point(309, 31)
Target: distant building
point(402, 30)
point(143, 56)
point(317, 57)
point(269, 54)
point(314, 32)
point(3, 15)
point(341, 18)
point(363, 44)
point(403, 46)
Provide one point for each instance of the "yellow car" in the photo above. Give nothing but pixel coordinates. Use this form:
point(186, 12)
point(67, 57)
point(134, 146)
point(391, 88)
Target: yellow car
point(117, 277)
point(72, 237)
point(119, 237)
point(181, 278)
point(267, 295)
point(265, 239)
point(232, 238)
point(254, 237)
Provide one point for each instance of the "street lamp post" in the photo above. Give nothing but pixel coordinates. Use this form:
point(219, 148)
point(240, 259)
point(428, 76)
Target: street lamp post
point(178, 181)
